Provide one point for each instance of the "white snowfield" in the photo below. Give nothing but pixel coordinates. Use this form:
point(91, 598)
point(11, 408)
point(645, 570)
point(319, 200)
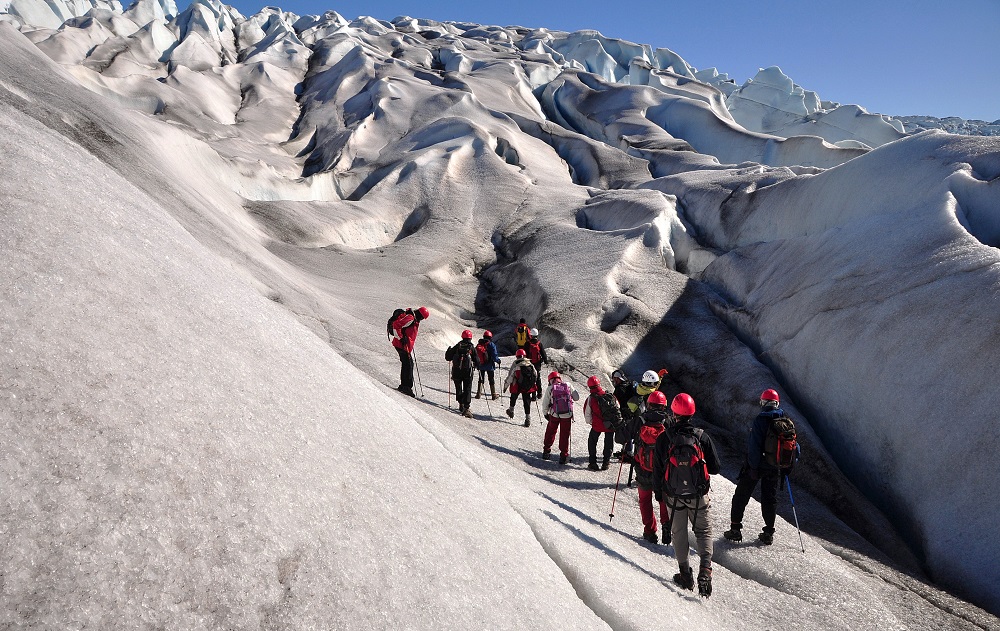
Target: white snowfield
point(207, 219)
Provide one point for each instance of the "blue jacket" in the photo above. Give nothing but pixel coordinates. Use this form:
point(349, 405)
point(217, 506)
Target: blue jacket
point(492, 355)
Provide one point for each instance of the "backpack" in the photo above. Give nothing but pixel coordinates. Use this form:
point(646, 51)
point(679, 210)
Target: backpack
point(607, 407)
point(535, 352)
point(461, 359)
point(562, 399)
point(526, 377)
point(521, 334)
point(482, 357)
point(388, 326)
point(780, 447)
point(647, 440)
point(686, 473)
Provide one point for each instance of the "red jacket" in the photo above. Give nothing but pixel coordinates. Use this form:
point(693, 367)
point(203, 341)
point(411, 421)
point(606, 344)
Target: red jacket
point(592, 411)
point(405, 329)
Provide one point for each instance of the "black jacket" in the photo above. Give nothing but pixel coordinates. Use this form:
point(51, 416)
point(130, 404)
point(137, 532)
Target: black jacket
point(461, 369)
point(663, 447)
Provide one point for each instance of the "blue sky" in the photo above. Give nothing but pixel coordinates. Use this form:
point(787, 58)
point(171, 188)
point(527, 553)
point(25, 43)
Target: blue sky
point(892, 57)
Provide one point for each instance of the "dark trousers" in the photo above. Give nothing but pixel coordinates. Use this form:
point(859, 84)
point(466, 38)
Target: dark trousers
point(745, 485)
point(463, 390)
point(538, 377)
point(526, 398)
point(609, 444)
point(405, 369)
point(488, 373)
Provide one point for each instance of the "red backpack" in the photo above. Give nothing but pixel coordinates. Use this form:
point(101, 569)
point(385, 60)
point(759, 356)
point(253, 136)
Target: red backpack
point(481, 354)
point(647, 440)
point(535, 352)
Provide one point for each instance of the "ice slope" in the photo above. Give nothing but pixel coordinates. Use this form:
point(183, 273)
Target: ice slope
point(342, 168)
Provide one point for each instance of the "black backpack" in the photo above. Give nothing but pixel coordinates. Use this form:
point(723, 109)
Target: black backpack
point(780, 447)
point(526, 377)
point(610, 411)
point(388, 325)
point(686, 473)
point(461, 359)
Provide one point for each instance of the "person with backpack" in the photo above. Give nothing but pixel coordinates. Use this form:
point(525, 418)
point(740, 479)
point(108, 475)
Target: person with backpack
point(652, 425)
point(601, 411)
point(521, 378)
point(521, 334)
point(636, 404)
point(557, 402)
point(462, 370)
point(684, 460)
point(536, 353)
point(487, 360)
point(771, 452)
point(402, 330)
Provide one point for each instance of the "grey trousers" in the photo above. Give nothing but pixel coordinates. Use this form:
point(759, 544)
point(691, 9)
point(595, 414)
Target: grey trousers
point(696, 512)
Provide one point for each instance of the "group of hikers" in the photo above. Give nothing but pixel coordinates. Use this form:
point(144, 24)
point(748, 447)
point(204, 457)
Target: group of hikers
point(673, 461)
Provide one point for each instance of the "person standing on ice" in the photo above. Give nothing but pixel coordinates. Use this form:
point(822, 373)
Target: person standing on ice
point(557, 403)
point(636, 405)
point(462, 370)
point(594, 415)
point(757, 469)
point(536, 353)
point(521, 378)
point(404, 326)
point(653, 423)
point(487, 360)
point(521, 334)
point(684, 459)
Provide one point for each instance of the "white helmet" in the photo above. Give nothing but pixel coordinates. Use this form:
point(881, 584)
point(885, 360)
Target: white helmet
point(534, 332)
point(650, 378)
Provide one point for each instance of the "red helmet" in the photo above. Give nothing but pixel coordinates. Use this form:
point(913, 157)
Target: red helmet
point(520, 353)
point(593, 382)
point(657, 398)
point(769, 395)
point(682, 405)
point(424, 313)
point(466, 334)
point(553, 375)
point(487, 334)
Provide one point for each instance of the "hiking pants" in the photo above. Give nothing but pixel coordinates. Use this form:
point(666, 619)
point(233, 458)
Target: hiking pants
point(564, 427)
point(463, 390)
point(488, 373)
point(538, 378)
point(405, 369)
point(696, 512)
point(609, 444)
point(526, 398)
point(745, 485)
point(646, 510)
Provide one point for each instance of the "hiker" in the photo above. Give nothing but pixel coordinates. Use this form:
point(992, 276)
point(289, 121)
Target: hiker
point(624, 388)
point(636, 404)
point(653, 423)
point(402, 328)
point(601, 411)
point(759, 468)
point(487, 360)
point(521, 334)
point(521, 380)
point(683, 461)
point(557, 403)
point(462, 370)
point(536, 353)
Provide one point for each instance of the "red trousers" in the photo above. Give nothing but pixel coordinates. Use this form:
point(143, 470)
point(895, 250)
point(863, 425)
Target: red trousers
point(646, 510)
point(563, 425)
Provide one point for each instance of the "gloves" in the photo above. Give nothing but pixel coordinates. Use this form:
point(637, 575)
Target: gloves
point(658, 495)
point(787, 471)
point(498, 363)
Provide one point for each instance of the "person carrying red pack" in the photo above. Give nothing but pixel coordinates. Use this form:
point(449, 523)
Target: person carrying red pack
point(487, 360)
point(402, 328)
point(536, 353)
point(653, 421)
point(557, 403)
point(602, 412)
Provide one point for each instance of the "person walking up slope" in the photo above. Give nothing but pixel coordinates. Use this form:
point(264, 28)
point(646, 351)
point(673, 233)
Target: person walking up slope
point(602, 412)
point(653, 424)
point(557, 403)
point(763, 464)
point(684, 459)
point(521, 379)
point(521, 334)
point(462, 370)
point(404, 325)
point(536, 353)
point(487, 360)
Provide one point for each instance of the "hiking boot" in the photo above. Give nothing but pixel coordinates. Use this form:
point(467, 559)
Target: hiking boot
point(593, 465)
point(406, 391)
point(650, 536)
point(766, 536)
point(705, 582)
point(467, 413)
point(685, 578)
point(510, 412)
point(605, 465)
point(734, 534)
point(546, 454)
point(666, 536)
point(527, 422)
point(563, 459)
point(495, 396)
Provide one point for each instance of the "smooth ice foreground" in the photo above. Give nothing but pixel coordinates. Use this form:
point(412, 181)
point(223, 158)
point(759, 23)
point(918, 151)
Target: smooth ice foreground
point(208, 217)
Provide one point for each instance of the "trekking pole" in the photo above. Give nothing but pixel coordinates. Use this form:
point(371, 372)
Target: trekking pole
point(417, 366)
point(448, 379)
point(617, 482)
point(488, 408)
point(794, 514)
